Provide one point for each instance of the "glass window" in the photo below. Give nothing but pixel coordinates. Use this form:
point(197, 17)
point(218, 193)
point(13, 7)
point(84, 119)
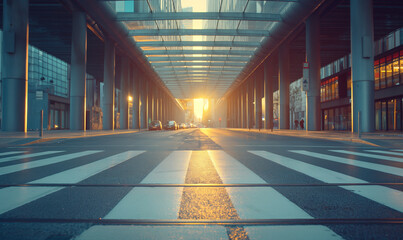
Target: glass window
point(336, 84)
point(389, 74)
point(384, 116)
point(383, 74)
point(401, 66)
point(376, 75)
point(378, 115)
point(391, 114)
point(325, 118)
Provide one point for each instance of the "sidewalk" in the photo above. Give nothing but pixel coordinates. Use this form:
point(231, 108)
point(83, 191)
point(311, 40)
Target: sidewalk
point(32, 137)
point(376, 139)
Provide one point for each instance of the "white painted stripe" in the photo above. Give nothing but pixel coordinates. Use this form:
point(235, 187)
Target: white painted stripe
point(14, 197)
point(154, 232)
point(261, 202)
point(386, 152)
point(43, 162)
point(156, 203)
point(383, 195)
point(11, 153)
point(291, 232)
point(369, 155)
point(253, 203)
point(353, 162)
point(7, 159)
point(398, 150)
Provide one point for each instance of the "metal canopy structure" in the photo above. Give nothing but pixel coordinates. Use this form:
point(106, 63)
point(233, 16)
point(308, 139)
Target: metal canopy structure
point(208, 44)
point(221, 42)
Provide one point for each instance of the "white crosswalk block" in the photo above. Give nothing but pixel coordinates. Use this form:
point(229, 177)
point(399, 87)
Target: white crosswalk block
point(386, 152)
point(13, 197)
point(372, 166)
point(383, 195)
point(368, 155)
point(154, 232)
point(260, 202)
point(156, 203)
point(151, 203)
point(44, 162)
point(7, 159)
point(11, 153)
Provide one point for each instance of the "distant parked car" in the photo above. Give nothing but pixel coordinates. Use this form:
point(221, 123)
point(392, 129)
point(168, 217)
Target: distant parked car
point(155, 125)
point(171, 125)
point(182, 126)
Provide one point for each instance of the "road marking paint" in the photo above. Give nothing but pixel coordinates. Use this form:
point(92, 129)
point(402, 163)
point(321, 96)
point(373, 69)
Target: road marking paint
point(13, 197)
point(369, 155)
point(7, 159)
point(43, 162)
point(367, 165)
point(260, 203)
point(291, 232)
point(154, 232)
point(253, 203)
point(156, 203)
point(11, 153)
point(383, 195)
point(385, 152)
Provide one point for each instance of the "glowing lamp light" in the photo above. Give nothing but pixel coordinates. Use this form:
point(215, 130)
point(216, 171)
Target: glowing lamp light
point(130, 98)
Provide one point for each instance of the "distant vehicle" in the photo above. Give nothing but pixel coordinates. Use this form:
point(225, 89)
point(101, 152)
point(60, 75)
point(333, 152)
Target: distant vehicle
point(155, 125)
point(188, 125)
point(171, 125)
point(182, 126)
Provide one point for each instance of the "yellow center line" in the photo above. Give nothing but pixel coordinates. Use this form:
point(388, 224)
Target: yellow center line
point(207, 203)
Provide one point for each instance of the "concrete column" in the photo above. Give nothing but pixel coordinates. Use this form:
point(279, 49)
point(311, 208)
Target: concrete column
point(144, 106)
point(239, 102)
point(268, 94)
point(251, 115)
point(78, 72)
point(258, 99)
point(245, 106)
point(150, 101)
point(284, 87)
point(15, 65)
point(136, 99)
point(108, 110)
point(362, 65)
point(147, 101)
point(124, 87)
point(313, 110)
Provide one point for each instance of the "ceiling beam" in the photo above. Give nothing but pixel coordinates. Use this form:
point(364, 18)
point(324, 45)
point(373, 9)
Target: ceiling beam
point(158, 16)
point(207, 63)
point(198, 43)
point(206, 52)
point(204, 32)
point(220, 59)
point(159, 70)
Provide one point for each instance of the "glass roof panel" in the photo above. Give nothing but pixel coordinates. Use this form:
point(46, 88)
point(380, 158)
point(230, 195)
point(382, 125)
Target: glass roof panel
point(171, 45)
point(136, 25)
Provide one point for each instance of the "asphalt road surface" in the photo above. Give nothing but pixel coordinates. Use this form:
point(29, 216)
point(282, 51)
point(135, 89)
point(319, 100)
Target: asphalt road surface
point(200, 184)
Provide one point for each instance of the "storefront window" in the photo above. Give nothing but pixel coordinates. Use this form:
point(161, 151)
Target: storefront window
point(384, 116)
point(378, 116)
point(401, 67)
point(396, 71)
point(391, 115)
point(376, 74)
point(383, 73)
point(389, 82)
point(325, 118)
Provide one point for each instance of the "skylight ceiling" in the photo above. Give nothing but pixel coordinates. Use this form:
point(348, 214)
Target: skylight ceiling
point(199, 48)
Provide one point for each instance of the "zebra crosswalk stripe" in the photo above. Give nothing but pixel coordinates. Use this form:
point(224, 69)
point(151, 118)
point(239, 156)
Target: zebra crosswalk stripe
point(43, 162)
point(7, 159)
point(11, 153)
point(386, 152)
point(383, 195)
point(262, 203)
point(13, 197)
point(369, 155)
point(367, 165)
point(156, 203)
